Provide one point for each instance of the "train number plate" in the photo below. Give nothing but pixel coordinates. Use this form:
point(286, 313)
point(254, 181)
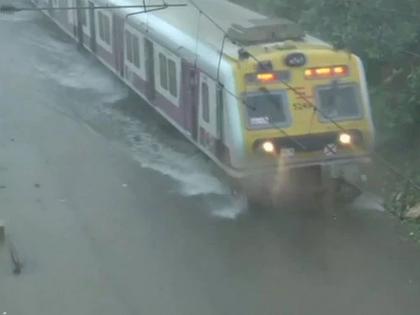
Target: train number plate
point(302, 106)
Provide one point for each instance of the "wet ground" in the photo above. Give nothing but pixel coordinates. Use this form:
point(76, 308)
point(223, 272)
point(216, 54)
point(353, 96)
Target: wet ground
point(110, 212)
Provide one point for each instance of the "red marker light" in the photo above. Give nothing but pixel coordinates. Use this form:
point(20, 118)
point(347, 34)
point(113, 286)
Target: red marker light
point(309, 73)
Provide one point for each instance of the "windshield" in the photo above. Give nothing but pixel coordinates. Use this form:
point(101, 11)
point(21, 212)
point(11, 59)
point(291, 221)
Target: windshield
point(339, 102)
point(266, 110)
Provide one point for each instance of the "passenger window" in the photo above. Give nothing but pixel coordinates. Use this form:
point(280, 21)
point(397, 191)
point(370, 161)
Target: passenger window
point(172, 78)
point(83, 16)
point(205, 102)
point(104, 28)
point(168, 75)
point(163, 72)
point(101, 27)
point(133, 50)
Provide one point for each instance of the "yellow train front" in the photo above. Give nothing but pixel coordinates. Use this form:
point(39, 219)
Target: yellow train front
point(306, 116)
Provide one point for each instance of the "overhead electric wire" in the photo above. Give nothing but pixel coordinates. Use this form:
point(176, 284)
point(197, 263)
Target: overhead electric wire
point(310, 103)
point(10, 8)
point(163, 6)
point(147, 11)
point(411, 53)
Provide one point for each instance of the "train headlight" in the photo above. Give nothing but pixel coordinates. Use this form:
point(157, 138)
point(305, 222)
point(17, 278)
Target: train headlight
point(268, 147)
point(345, 138)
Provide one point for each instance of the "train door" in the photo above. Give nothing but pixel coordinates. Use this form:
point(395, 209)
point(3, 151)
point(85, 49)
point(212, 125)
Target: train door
point(92, 24)
point(190, 97)
point(150, 69)
point(208, 133)
point(119, 43)
point(194, 102)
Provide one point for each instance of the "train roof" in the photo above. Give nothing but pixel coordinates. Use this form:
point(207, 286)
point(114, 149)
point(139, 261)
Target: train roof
point(246, 25)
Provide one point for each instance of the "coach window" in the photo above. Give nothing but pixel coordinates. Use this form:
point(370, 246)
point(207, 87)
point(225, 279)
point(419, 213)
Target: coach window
point(163, 65)
point(173, 85)
point(104, 28)
point(133, 49)
point(128, 48)
point(83, 14)
point(70, 13)
point(83, 17)
point(205, 102)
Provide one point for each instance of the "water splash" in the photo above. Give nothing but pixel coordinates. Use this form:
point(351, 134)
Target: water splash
point(148, 144)
point(191, 171)
point(369, 201)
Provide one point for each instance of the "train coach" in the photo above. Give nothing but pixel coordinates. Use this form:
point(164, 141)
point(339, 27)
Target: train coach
point(259, 96)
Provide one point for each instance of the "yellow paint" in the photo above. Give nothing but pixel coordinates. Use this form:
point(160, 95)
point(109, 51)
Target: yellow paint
point(304, 121)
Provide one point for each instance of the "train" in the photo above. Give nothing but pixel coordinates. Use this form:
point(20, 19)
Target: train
point(259, 96)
